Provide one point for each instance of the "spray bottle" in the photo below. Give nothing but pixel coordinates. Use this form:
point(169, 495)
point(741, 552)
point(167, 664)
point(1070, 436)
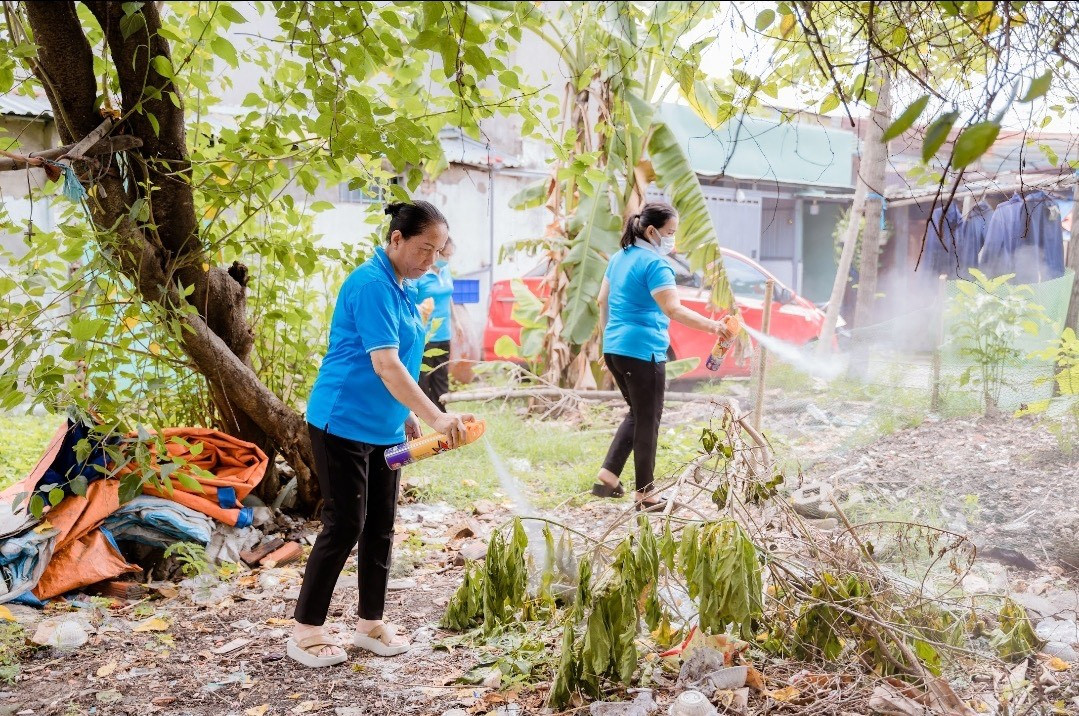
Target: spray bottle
point(719, 350)
point(434, 444)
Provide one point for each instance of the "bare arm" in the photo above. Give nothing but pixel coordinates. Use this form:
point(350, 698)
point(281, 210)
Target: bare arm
point(388, 366)
point(672, 307)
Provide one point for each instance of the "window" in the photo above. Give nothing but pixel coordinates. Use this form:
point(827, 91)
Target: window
point(746, 281)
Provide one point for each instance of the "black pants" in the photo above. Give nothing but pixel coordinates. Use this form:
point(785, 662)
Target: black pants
point(359, 495)
point(436, 382)
point(642, 384)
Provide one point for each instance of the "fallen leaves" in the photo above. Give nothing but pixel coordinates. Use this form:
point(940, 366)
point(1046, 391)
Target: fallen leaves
point(152, 624)
point(259, 710)
point(1058, 664)
point(6, 614)
point(107, 669)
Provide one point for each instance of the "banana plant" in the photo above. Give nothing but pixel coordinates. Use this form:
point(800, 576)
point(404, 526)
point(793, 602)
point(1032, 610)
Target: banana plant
point(611, 146)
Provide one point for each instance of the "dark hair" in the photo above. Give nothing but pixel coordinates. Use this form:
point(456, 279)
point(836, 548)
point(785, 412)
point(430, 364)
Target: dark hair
point(412, 218)
point(654, 213)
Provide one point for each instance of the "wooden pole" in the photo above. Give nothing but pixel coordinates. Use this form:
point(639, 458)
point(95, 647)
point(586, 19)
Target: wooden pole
point(934, 400)
point(1072, 262)
point(760, 368)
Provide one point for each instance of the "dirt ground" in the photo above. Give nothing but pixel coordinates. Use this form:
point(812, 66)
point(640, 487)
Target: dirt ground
point(1002, 482)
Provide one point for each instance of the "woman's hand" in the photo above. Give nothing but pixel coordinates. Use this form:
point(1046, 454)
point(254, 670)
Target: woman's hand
point(412, 428)
point(452, 425)
point(720, 329)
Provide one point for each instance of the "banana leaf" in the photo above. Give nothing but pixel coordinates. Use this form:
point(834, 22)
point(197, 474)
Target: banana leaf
point(595, 232)
point(697, 237)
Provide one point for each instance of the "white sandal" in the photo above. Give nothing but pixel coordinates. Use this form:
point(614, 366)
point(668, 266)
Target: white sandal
point(377, 641)
point(301, 651)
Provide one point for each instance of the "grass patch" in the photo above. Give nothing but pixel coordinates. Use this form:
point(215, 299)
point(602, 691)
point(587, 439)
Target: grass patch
point(551, 460)
point(22, 440)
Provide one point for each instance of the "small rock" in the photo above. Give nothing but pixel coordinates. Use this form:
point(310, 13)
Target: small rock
point(493, 680)
point(455, 712)
point(109, 696)
point(1061, 651)
point(400, 585)
point(349, 711)
point(1066, 632)
point(463, 529)
point(1037, 606)
point(470, 552)
point(483, 507)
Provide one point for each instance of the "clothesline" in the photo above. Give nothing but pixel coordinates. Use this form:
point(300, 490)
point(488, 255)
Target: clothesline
point(899, 196)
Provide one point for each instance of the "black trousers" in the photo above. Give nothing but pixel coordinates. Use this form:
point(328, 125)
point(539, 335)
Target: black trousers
point(359, 495)
point(642, 384)
point(436, 382)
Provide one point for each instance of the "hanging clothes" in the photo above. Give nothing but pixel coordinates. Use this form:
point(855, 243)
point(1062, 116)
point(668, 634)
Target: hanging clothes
point(1024, 238)
point(971, 237)
point(940, 241)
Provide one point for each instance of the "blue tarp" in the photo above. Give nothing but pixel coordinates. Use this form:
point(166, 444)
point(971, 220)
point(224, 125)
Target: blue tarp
point(158, 522)
point(22, 560)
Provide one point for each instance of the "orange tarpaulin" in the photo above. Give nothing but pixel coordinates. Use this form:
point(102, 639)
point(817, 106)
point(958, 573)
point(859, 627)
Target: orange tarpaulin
point(83, 554)
point(237, 467)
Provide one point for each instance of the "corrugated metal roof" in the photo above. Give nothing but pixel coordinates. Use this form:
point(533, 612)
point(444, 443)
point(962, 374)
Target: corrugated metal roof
point(460, 149)
point(765, 150)
point(22, 106)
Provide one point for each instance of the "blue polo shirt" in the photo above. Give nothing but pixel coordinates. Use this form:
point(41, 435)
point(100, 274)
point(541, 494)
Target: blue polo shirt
point(438, 284)
point(636, 326)
point(372, 312)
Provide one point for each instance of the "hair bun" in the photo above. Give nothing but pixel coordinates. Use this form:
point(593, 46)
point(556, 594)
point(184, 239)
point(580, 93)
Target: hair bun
point(393, 207)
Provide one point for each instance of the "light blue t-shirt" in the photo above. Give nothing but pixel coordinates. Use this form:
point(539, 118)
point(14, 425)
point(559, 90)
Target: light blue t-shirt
point(438, 284)
point(636, 326)
point(372, 312)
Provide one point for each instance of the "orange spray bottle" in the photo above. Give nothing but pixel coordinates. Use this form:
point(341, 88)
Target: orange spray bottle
point(429, 445)
point(719, 350)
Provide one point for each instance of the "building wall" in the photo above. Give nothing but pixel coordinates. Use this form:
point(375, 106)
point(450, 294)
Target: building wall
point(20, 191)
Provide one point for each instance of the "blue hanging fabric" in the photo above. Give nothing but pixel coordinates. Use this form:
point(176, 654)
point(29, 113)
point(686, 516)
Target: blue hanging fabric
point(883, 205)
point(73, 188)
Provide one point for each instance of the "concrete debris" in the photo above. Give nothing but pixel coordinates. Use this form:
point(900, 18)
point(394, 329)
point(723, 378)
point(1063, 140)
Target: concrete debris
point(642, 705)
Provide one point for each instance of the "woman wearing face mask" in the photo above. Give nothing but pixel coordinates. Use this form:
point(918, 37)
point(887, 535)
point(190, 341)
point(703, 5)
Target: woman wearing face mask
point(637, 302)
point(366, 399)
point(435, 288)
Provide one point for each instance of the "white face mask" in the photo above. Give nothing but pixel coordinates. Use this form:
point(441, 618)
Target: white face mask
point(666, 244)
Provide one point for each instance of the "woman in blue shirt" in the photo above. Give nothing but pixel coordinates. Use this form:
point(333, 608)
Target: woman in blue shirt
point(364, 400)
point(637, 301)
point(436, 287)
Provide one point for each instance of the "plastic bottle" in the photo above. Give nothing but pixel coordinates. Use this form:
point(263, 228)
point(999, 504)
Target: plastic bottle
point(434, 444)
point(719, 350)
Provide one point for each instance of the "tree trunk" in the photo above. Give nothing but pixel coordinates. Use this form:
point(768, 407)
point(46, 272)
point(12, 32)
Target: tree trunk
point(846, 257)
point(166, 251)
point(872, 168)
point(1072, 320)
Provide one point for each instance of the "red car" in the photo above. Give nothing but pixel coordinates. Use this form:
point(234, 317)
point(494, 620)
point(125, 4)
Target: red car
point(794, 319)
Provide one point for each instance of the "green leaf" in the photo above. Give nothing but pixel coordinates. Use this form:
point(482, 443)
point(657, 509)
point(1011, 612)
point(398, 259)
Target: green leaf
point(162, 66)
point(973, 142)
point(936, 134)
point(1038, 87)
point(765, 18)
point(37, 505)
point(829, 103)
point(678, 368)
point(505, 347)
point(532, 196)
point(56, 496)
point(594, 234)
point(907, 118)
point(189, 483)
point(154, 124)
point(224, 49)
point(230, 13)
